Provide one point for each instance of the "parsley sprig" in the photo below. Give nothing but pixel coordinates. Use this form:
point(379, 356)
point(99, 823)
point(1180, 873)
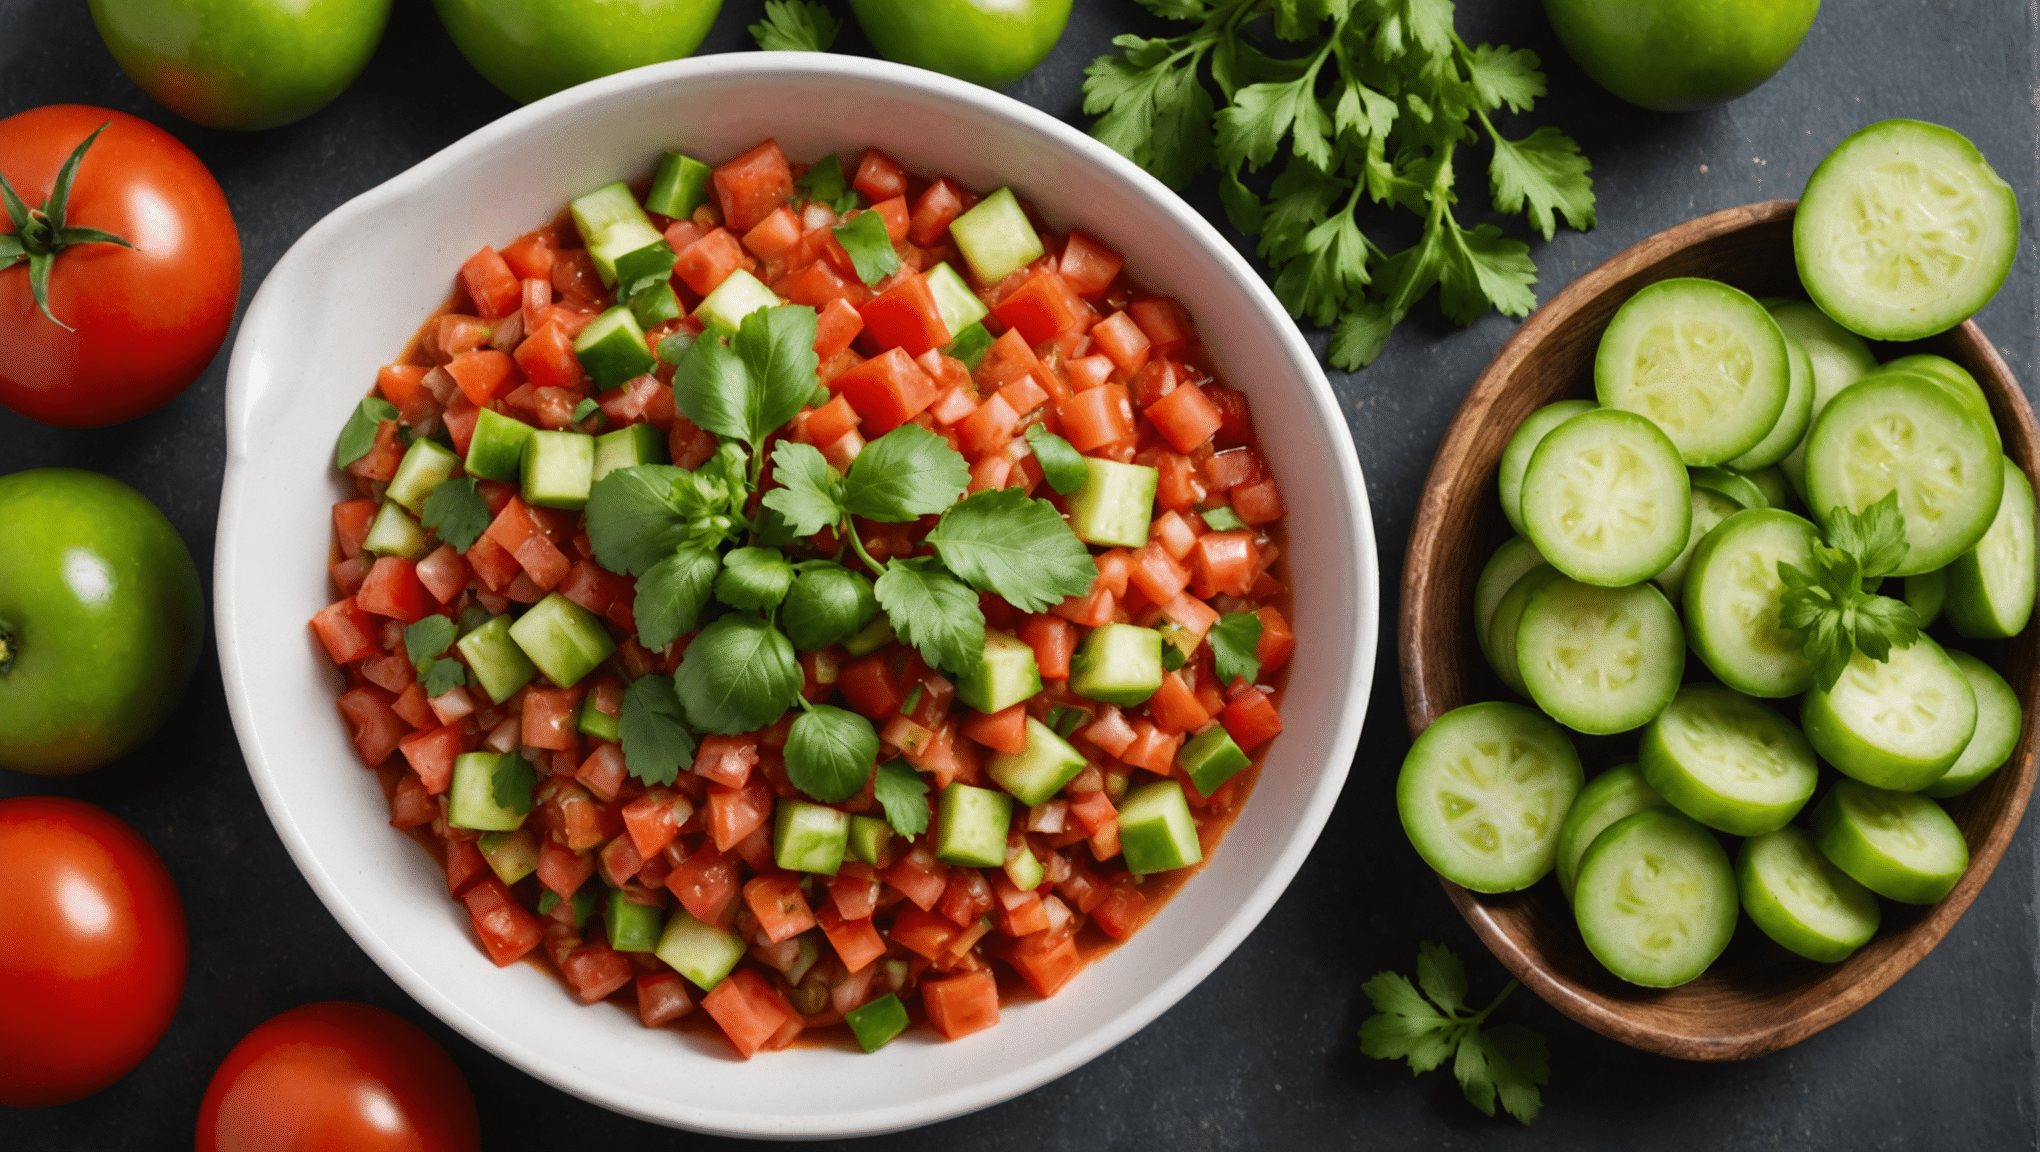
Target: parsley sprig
point(1424, 1028)
point(1827, 611)
point(796, 26)
point(1379, 104)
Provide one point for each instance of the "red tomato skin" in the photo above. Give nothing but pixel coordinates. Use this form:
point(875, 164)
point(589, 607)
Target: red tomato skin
point(337, 1075)
point(93, 950)
point(146, 321)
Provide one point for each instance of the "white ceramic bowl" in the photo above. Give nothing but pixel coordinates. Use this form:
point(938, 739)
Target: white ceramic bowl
point(350, 293)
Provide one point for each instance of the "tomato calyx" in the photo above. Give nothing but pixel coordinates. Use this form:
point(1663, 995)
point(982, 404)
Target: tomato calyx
point(8, 647)
point(41, 233)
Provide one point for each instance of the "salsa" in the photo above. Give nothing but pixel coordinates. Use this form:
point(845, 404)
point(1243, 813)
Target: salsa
point(807, 593)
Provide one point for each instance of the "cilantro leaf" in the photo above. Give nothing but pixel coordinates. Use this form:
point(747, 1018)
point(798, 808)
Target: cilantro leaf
point(1508, 1061)
point(1015, 547)
point(1061, 464)
point(511, 783)
point(869, 246)
point(827, 603)
point(672, 593)
point(1504, 75)
point(1262, 114)
point(1875, 536)
point(810, 495)
point(656, 743)
point(1541, 174)
point(1154, 111)
point(428, 638)
point(585, 409)
point(1361, 336)
point(747, 388)
point(1328, 275)
point(754, 578)
point(796, 26)
point(1234, 640)
point(824, 184)
point(933, 611)
point(739, 675)
point(907, 473)
point(357, 436)
point(456, 511)
point(441, 676)
point(902, 793)
point(829, 753)
point(640, 515)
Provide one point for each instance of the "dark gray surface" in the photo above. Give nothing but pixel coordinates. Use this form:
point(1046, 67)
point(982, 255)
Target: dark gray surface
point(1263, 1054)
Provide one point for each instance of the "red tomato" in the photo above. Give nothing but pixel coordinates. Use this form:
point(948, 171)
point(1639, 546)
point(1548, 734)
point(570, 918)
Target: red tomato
point(337, 1075)
point(92, 950)
point(143, 322)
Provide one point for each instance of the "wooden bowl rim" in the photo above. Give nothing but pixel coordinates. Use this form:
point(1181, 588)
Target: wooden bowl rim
point(1447, 472)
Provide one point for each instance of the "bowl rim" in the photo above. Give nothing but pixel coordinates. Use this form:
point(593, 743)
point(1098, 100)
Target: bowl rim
point(265, 313)
point(1422, 599)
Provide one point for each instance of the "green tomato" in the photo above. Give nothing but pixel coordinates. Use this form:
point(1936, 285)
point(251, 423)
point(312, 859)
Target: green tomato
point(242, 64)
point(101, 620)
point(533, 48)
point(1679, 55)
point(988, 42)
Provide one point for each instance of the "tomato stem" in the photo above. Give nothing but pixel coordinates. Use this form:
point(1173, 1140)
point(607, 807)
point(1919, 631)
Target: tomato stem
point(40, 233)
point(8, 647)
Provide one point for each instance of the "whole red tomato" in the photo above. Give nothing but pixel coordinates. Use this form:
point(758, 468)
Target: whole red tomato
point(143, 322)
point(337, 1077)
point(92, 950)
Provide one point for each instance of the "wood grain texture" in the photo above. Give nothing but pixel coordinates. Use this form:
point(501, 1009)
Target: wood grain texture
point(1758, 997)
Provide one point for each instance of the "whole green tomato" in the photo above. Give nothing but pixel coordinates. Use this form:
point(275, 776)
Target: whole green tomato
point(1679, 55)
point(242, 64)
point(533, 48)
point(101, 620)
point(988, 42)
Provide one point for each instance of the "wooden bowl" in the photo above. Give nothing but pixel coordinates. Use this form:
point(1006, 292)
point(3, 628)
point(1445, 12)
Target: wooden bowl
point(1758, 997)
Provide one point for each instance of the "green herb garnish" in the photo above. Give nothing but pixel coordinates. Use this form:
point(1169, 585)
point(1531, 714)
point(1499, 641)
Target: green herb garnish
point(1424, 1028)
point(796, 26)
point(1061, 464)
point(1235, 641)
point(903, 794)
point(357, 436)
point(829, 753)
point(457, 512)
point(1827, 611)
point(869, 247)
point(656, 743)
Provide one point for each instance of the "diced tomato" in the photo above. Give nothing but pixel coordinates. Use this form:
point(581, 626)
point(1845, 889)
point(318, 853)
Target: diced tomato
point(706, 885)
point(1087, 265)
point(1043, 308)
point(988, 428)
point(1223, 563)
point(443, 573)
point(465, 865)
point(595, 970)
point(492, 564)
point(922, 932)
point(508, 932)
point(1121, 911)
point(966, 897)
point(520, 534)
point(1088, 372)
point(1251, 719)
point(1175, 708)
point(938, 205)
point(838, 324)
point(1185, 418)
point(879, 177)
point(618, 861)
point(400, 383)
point(727, 760)
point(1278, 640)
point(707, 262)
point(853, 890)
point(351, 520)
point(410, 805)
point(483, 374)
point(775, 234)
point(752, 185)
point(857, 942)
point(380, 462)
point(548, 360)
point(919, 877)
point(346, 631)
point(819, 285)
point(747, 1009)
point(776, 901)
point(1165, 324)
point(531, 257)
point(681, 233)
point(886, 390)
point(575, 279)
point(1157, 574)
point(1046, 960)
point(376, 730)
point(431, 755)
point(1097, 417)
point(905, 316)
point(653, 819)
point(1259, 503)
point(734, 813)
point(829, 422)
point(870, 686)
point(1233, 468)
point(688, 445)
point(392, 674)
point(662, 998)
point(603, 772)
point(561, 869)
point(549, 717)
point(960, 1005)
point(1002, 731)
point(491, 284)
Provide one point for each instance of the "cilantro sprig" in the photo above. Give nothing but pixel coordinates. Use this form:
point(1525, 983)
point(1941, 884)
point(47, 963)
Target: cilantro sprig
point(903, 794)
point(455, 509)
point(425, 643)
point(1379, 103)
point(796, 26)
point(1830, 616)
point(1425, 1028)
